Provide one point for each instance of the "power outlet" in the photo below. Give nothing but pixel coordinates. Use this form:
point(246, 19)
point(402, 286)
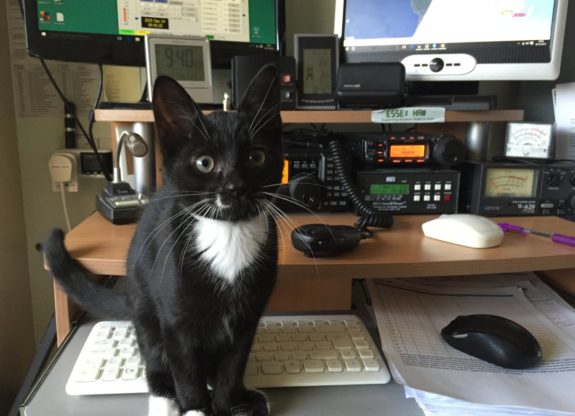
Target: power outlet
point(63, 167)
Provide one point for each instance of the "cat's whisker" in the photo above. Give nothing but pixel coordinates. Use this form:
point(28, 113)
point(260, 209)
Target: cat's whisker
point(276, 218)
point(157, 230)
point(188, 224)
point(287, 221)
point(193, 120)
point(183, 195)
point(299, 204)
point(200, 119)
point(311, 175)
point(187, 209)
point(292, 201)
point(262, 104)
point(256, 123)
point(262, 123)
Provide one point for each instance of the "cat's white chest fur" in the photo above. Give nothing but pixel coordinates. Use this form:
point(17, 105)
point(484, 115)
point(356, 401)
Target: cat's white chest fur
point(230, 247)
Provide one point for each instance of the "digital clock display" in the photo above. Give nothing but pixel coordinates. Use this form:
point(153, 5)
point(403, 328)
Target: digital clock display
point(389, 189)
point(407, 151)
point(317, 71)
point(181, 62)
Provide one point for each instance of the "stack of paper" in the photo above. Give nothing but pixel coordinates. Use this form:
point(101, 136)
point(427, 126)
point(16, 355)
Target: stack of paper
point(410, 314)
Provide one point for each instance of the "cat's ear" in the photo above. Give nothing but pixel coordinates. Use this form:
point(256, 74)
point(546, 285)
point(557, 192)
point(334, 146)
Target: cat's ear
point(261, 100)
point(177, 116)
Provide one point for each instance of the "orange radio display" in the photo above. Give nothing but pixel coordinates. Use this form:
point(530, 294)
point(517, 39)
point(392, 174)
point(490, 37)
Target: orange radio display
point(403, 151)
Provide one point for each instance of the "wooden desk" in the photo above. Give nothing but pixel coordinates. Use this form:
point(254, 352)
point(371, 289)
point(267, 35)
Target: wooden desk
point(325, 284)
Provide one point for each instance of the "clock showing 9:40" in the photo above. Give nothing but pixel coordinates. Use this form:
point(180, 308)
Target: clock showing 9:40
point(529, 140)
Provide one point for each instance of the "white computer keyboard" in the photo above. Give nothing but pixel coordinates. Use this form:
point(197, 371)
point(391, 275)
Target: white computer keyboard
point(302, 350)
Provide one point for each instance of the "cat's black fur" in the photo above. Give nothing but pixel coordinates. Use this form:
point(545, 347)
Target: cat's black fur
point(193, 326)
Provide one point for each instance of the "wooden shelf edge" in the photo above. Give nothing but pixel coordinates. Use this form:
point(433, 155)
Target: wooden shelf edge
point(326, 116)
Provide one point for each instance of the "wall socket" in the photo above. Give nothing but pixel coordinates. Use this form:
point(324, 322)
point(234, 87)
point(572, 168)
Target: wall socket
point(84, 162)
point(63, 168)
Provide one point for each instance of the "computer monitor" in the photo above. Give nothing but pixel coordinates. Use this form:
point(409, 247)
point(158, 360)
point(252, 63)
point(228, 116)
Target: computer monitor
point(456, 40)
point(112, 31)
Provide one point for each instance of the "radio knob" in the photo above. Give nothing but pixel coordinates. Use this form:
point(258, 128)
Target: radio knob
point(448, 150)
point(554, 179)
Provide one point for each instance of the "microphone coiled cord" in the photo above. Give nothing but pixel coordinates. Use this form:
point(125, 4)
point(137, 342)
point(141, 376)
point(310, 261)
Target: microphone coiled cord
point(368, 216)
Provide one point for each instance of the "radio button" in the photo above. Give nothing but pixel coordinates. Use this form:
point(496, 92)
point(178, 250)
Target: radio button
point(426, 197)
point(447, 186)
point(437, 187)
point(427, 187)
point(547, 205)
point(416, 198)
point(417, 187)
point(437, 197)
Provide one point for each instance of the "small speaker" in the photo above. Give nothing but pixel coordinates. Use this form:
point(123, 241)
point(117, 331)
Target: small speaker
point(245, 67)
point(370, 85)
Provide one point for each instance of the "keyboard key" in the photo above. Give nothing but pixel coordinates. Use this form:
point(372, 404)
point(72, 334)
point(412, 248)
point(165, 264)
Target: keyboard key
point(352, 365)
point(371, 365)
point(271, 367)
point(292, 367)
point(334, 366)
point(313, 366)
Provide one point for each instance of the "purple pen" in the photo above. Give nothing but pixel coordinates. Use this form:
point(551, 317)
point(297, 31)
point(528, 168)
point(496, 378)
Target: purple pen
point(555, 237)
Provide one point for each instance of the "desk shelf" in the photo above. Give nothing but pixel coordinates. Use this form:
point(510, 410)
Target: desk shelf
point(401, 251)
point(333, 116)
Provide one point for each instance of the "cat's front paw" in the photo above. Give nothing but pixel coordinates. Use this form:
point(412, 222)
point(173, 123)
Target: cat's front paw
point(195, 413)
point(254, 403)
point(162, 406)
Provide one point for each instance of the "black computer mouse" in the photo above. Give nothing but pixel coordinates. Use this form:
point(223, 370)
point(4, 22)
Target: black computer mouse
point(494, 339)
point(319, 240)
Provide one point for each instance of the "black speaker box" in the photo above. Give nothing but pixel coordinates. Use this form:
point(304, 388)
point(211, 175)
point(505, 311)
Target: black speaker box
point(245, 67)
point(370, 85)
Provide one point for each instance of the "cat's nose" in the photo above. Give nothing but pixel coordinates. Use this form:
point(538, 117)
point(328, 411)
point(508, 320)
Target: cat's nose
point(235, 188)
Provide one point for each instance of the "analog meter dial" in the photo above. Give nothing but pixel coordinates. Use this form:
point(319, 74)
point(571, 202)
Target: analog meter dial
point(529, 140)
point(510, 183)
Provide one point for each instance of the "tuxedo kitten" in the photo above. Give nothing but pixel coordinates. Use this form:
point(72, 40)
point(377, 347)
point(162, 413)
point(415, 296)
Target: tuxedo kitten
point(202, 263)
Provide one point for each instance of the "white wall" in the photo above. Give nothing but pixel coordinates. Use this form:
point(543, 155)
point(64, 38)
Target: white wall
point(16, 328)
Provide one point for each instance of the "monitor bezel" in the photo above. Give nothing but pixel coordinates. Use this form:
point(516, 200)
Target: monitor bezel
point(127, 50)
point(496, 71)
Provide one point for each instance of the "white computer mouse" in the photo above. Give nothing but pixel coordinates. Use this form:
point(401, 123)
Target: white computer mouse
point(464, 229)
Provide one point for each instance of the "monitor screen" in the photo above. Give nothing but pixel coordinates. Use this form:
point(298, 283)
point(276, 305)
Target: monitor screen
point(112, 31)
point(455, 40)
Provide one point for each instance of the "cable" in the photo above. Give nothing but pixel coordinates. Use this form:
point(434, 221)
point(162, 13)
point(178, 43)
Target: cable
point(369, 217)
point(65, 206)
point(88, 136)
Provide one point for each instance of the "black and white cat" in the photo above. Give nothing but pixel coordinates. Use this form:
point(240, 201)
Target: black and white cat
point(202, 263)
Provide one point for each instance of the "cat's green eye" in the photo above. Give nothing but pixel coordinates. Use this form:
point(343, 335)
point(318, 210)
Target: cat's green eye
point(256, 158)
point(205, 164)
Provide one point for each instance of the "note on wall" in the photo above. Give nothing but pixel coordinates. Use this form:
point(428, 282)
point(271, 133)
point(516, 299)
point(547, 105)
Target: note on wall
point(34, 95)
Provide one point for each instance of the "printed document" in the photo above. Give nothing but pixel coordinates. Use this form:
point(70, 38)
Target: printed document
point(410, 314)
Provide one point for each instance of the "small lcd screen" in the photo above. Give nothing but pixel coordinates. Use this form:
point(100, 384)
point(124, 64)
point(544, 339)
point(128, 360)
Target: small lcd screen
point(184, 63)
point(407, 150)
point(317, 71)
point(389, 189)
point(510, 183)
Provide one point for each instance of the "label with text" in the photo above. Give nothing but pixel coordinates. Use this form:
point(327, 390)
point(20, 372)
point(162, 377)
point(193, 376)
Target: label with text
point(409, 115)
